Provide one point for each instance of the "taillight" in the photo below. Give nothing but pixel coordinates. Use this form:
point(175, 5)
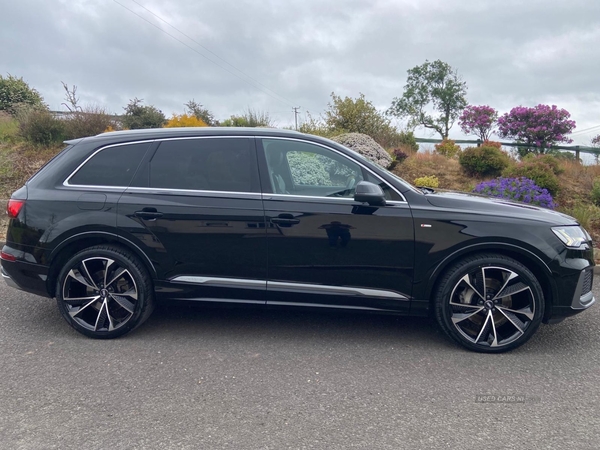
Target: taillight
point(14, 207)
point(7, 257)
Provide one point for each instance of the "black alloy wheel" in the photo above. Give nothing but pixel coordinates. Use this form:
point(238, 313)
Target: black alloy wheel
point(104, 292)
point(489, 303)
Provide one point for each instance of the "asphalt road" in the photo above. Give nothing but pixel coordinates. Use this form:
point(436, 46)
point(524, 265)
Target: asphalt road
point(201, 378)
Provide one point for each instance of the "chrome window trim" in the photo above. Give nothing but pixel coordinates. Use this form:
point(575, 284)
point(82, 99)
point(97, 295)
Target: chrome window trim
point(120, 144)
point(204, 193)
point(203, 137)
point(240, 194)
point(67, 184)
point(339, 153)
point(290, 287)
point(313, 197)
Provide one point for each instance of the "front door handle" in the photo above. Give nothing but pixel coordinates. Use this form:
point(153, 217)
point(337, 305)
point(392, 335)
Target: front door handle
point(148, 214)
point(285, 220)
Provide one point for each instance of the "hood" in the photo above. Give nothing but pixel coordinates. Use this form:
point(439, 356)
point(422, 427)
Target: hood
point(459, 201)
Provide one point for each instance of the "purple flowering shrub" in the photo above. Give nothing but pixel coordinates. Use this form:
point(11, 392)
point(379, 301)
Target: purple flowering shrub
point(539, 127)
point(520, 189)
point(478, 120)
point(399, 155)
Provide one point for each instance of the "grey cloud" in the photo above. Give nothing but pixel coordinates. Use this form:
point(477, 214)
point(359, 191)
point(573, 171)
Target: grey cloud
point(510, 53)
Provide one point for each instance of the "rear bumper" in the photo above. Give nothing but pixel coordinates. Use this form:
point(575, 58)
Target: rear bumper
point(8, 279)
point(27, 277)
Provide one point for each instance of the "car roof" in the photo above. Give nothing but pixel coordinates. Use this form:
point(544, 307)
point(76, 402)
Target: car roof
point(161, 133)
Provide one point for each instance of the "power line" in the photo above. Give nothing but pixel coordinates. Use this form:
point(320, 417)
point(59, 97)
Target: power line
point(586, 130)
point(210, 51)
point(281, 99)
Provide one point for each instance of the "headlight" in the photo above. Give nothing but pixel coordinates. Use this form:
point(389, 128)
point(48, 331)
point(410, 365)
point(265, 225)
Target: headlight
point(572, 236)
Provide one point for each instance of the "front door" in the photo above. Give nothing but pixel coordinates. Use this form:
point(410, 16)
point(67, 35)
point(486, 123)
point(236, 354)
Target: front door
point(325, 249)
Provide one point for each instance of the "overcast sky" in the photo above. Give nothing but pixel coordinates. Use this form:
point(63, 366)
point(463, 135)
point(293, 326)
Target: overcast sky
point(273, 55)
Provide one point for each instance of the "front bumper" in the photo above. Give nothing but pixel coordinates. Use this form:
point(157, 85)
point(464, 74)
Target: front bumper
point(582, 299)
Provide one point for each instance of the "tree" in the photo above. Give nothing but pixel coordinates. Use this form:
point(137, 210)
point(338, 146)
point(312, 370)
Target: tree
point(478, 120)
point(15, 92)
point(194, 108)
point(431, 86)
point(358, 115)
point(137, 116)
point(539, 127)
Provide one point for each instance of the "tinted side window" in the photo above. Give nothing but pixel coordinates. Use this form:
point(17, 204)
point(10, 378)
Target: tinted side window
point(112, 166)
point(206, 164)
point(301, 168)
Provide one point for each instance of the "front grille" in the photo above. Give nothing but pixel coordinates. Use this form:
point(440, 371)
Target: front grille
point(588, 279)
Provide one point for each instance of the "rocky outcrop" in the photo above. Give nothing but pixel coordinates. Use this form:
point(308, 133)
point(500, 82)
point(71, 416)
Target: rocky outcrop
point(366, 146)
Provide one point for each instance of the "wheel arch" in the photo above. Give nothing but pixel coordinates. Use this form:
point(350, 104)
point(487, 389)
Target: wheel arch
point(74, 244)
point(533, 262)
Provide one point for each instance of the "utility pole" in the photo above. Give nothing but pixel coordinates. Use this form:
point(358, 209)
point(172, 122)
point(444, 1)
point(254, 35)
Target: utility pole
point(295, 109)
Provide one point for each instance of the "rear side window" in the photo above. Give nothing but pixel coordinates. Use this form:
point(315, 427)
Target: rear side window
point(207, 164)
point(111, 166)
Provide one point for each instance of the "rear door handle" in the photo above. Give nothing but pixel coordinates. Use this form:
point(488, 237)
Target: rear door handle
point(148, 214)
point(285, 220)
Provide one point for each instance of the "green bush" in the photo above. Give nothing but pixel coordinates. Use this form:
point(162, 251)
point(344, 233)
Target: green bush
point(447, 148)
point(88, 122)
point(484, 161)
point(138, 116)
point(548, 159)
point(42, 128)
point(584, 214)
point(15, 92)
point(9, 128)
point(538, 170)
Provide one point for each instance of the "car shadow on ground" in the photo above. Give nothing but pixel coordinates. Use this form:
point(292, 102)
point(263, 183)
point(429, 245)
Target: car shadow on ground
point(257, 322)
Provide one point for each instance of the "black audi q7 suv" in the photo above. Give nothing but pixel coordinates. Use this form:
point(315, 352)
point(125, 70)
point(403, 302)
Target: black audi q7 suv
point(283, 219)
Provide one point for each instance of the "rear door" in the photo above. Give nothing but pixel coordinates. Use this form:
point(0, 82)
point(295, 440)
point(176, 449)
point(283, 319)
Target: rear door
point(195, 208)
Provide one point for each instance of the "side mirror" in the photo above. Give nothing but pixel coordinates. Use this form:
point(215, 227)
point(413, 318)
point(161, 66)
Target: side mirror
point(367, 192)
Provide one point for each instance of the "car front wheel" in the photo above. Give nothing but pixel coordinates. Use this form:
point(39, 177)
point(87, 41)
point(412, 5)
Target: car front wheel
point(104, 292)
point(489, 303)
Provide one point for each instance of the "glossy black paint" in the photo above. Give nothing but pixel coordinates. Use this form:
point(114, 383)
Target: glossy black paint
point(401, 247)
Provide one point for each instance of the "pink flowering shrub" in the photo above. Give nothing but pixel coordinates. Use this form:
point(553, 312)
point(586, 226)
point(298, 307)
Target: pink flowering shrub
point(539, 127)
point(478, 120)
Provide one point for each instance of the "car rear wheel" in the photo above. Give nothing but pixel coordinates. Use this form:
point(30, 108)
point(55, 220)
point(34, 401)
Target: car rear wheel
point(104, 292)
point(489, 303)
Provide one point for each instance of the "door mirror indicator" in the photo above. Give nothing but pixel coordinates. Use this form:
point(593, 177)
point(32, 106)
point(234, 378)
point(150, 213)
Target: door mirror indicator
point(367, 192)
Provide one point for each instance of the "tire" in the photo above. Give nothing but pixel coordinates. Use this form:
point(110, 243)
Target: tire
point(104, 292)
point(489, 303)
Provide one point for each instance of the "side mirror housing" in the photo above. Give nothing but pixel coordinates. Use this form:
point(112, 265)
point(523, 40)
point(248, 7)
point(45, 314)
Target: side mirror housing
point(367, 192)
